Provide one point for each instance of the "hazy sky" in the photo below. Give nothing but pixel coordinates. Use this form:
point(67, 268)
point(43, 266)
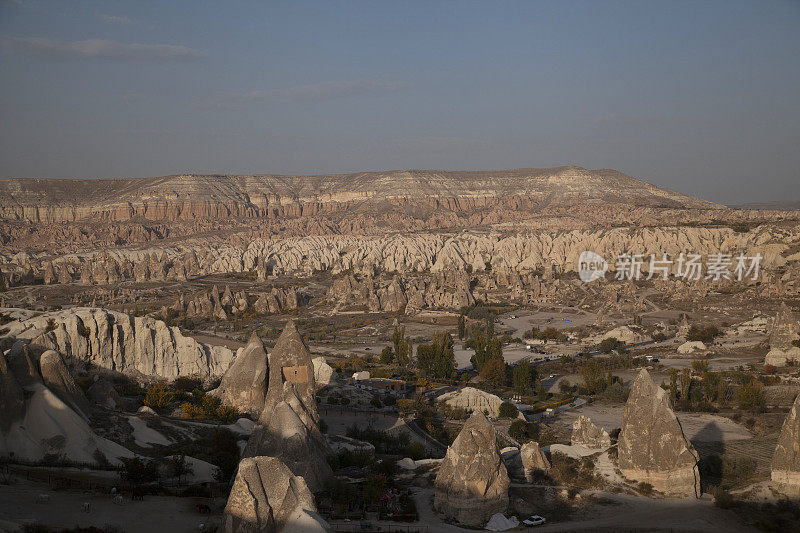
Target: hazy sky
point(699, 96)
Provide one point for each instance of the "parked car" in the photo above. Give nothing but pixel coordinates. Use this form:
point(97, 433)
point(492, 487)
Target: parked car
point(534, 520)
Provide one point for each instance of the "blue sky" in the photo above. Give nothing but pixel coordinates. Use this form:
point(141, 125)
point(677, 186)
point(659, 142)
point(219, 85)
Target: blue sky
point(701, 97)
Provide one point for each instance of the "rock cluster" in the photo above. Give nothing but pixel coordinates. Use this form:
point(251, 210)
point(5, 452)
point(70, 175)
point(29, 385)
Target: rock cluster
point(533, 459)
point(784, 331)
point(12, 399)
point(102, 393)
point(58, 379)
point(472, 482)
point(786, 461)
point(651, 446)
point(120, 342)
point(585, 433)
point(212, 304)
point(244, 385)
point(409, 294)
point(43, 413)
point(268, 498)
point(288, 427)
point(471, 400)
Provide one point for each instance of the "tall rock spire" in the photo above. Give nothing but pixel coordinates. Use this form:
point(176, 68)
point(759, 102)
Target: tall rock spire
point(652, 447)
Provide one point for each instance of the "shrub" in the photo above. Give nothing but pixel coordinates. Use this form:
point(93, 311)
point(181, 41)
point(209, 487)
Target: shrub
point(376, 403)
point(722, 498)
point(703, 334)
point(522, 431)
point(389, 400)
point(645, 488)
point(187, 384)
point(158, 396)
point(609, 344)
point(414, 450)
point(508, 410)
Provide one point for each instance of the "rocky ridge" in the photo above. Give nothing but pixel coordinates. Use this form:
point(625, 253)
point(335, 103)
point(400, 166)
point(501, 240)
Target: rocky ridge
point(119, 342)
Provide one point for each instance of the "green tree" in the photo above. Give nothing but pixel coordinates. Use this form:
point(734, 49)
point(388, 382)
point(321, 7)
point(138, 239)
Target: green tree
point(403, 348)
point(750, 395)
point(703, 334)
point(387, 356)
point(462, 327)
point(523, 377)
point(508, 410)
point(609, 344)
point(594, 379)
point(478, 343)
point(673, 385)
point(137, 471)
point(494, 349)
point(437, 360)
point(686, 383)
point(180, 467)
point(494, 372)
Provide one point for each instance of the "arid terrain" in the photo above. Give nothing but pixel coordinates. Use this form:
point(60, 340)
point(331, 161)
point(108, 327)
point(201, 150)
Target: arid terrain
point(410, 350)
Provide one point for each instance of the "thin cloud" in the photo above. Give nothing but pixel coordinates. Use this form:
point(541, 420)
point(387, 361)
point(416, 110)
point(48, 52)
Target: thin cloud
point(52, 50)
point(115, 19)
point(439, 144)
point(319, 92)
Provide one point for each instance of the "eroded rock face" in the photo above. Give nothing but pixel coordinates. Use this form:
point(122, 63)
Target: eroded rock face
point(58, 379)
point(533, 459)
point(102, 393)
point(323, 372)
point(586, 433)
point(123, 343)
point(471, 399)
point(244, 385)
point(12, 399)
point(652, 446)
point(786, 461)
point(266, 497)
point(472, 483)
point(784, 330)
point(288, 427)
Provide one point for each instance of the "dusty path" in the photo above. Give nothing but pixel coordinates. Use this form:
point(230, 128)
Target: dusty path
point(19, 503)
point(657, 515)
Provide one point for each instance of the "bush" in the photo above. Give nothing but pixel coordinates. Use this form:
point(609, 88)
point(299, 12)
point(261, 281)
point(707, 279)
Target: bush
point(158, 396)
point(376, 403)
point(722, 498)
point(522, 431)
point(414, 450)
point(508, 410)
point(389, 400)
point(703, 334)
point(609, 344)
point(187, 384)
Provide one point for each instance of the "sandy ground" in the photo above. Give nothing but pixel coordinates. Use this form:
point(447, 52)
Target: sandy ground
point(650, 514)
point(626, 512)
point(19, 504)
point(701, 427)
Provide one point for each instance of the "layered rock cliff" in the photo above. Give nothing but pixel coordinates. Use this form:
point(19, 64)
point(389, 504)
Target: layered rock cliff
point(188, 197)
